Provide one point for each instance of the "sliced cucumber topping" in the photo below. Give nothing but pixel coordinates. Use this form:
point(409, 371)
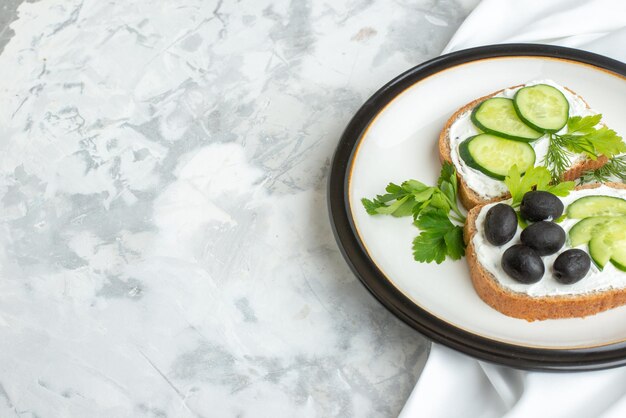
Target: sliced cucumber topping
point(596, 206)
point(583, 231)
point(497, 116)
point(600, 252)
point(619, 258)
point(603, 227)
point(609, 245)
point(494, 156)
point(542, 107)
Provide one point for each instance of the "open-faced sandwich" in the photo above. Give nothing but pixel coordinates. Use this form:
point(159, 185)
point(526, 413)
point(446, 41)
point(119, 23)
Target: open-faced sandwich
point(537, 246)
point(572, 268)
point(526, 125)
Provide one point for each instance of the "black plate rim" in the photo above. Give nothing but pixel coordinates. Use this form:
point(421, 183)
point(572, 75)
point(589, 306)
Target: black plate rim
point(353, 250)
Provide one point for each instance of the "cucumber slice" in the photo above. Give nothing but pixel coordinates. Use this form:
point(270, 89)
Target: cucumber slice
point(609, 245)
point(619, 258)
point(600, 252)
point(542, 107)
point(596, 206)
point(584, 230)
point(494, 156)
point(497, 116)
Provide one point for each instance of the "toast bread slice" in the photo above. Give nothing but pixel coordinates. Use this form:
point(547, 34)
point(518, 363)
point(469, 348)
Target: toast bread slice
point(531, 308)
point(469, 197)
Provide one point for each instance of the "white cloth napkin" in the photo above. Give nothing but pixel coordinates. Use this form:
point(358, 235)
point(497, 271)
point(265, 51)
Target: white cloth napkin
point(594, 25)
point(455, 385)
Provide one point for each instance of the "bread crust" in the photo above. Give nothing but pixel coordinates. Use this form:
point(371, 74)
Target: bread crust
point(469, 198)
point(523, 306)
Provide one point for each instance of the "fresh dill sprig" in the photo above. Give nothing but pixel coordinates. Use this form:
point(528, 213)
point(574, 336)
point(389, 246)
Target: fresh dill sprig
point(614, 169)
point(582, 137)
point(557, 159)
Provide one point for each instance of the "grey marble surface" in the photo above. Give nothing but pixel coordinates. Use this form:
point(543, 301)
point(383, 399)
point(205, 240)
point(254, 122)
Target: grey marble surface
point(165, 247)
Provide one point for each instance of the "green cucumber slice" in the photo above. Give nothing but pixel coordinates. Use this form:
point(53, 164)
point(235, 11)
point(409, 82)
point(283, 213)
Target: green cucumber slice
point(542, 107)
point(609, 245)
point(600, 252)
point(494, 156)
point(497, 116)
point(596, 206)
point(619, 258)
point(584, 230)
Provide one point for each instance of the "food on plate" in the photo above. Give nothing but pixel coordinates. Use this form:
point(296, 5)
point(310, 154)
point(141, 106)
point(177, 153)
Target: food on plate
point(539, 123)
point(435, 212)
point(571, 266)
point(542, 107)
point(544, 237)
point(537, 246)
point(523, 264)
point(497, 116)
point(500, 224)
point(539, 205)
point(597, 206)
point(585, 276)
point(494, 156)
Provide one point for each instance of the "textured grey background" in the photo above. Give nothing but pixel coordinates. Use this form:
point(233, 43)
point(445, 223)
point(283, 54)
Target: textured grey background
point(166, 249)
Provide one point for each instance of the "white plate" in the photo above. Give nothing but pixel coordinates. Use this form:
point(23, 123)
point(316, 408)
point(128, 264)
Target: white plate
point(394, 138)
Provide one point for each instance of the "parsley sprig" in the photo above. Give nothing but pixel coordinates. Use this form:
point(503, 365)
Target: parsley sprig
point(435, 212)
point(582, 137)
point(535, 178)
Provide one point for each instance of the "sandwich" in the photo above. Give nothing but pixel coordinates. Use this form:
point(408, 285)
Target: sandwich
point(537, 247)
point(518, 123)
point(551, 270)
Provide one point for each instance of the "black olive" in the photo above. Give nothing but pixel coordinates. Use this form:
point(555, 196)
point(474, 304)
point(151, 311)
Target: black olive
point(500, 224)
point(544, 237)
point(571, 266)
point(523, 264)
point(540, 206)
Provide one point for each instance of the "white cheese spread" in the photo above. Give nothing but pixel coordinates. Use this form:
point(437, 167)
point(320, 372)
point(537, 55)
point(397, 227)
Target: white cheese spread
point(490, 257)
point(487, 187)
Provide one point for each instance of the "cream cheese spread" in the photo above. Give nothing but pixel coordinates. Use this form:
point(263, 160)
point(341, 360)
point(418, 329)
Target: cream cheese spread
point(487, 187)
point(490, 257)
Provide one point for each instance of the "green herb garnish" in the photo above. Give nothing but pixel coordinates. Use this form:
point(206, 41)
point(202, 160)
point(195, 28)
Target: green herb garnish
point(435, 212)
point(582, 137)
point(439, 238)
point(614, 169)
point(536, 178)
